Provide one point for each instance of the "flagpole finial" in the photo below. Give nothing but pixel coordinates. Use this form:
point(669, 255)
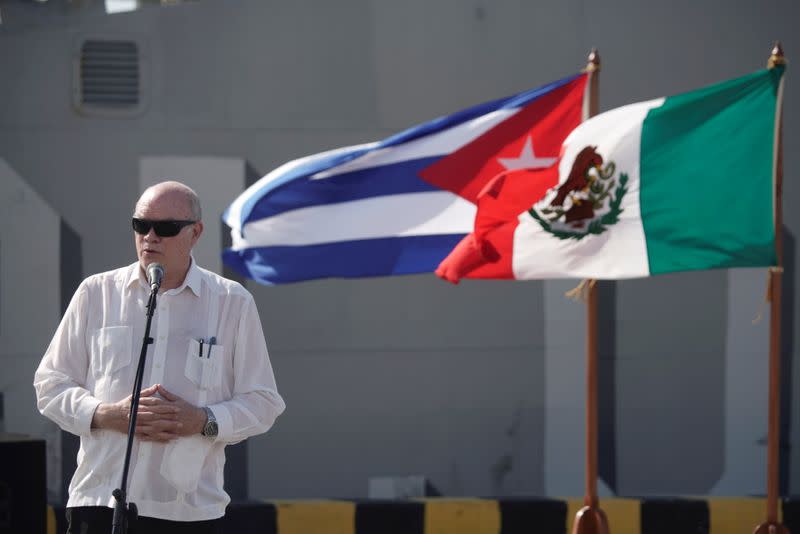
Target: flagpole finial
point(776, 57)
point(593, 61)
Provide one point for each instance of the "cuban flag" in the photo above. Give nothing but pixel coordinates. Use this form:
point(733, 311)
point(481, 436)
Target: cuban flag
point(401, 205)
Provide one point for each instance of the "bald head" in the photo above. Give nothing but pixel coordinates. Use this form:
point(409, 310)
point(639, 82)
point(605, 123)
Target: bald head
point(181, 197)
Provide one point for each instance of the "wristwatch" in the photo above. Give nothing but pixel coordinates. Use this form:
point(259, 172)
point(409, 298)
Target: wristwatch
point(211, 429)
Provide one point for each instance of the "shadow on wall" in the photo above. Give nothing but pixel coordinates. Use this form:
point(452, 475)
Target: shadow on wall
point(606, 383)
point(663, 394)
point(787, 352)
point(71, 253)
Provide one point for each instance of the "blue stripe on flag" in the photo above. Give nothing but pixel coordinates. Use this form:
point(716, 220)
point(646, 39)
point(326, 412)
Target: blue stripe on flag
point(308, 169)
point(344, 259)
point(392, 179)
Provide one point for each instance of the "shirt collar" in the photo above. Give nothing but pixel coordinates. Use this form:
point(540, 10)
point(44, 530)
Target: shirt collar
point(193, 278)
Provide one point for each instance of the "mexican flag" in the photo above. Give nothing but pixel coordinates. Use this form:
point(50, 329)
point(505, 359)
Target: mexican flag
point(673, 184)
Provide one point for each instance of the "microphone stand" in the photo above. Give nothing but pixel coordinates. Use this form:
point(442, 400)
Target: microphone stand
point(126, 513)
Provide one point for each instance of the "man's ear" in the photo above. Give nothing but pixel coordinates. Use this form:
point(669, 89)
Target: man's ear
point(198, 230)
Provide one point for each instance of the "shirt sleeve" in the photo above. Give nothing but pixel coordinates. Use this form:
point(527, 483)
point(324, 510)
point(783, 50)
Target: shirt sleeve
point(60, 379)
point(255, 403)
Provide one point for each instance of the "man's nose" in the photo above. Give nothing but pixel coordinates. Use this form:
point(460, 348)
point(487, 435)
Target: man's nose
point(151, 235)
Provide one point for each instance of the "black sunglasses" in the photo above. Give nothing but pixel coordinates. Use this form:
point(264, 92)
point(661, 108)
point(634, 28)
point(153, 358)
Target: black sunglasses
point(162, 228)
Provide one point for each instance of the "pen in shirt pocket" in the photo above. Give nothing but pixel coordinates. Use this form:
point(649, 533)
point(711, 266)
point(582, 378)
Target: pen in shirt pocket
point(211, 343)
point(201, 340)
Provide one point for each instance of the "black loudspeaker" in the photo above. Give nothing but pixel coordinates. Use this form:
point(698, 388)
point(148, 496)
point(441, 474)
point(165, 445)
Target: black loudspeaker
point(23, 485)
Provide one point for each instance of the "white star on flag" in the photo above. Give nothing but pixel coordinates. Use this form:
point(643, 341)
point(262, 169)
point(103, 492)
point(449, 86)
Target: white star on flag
point(527, 159)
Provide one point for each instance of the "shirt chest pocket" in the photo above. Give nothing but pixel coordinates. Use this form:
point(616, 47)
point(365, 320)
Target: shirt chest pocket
point(111, 350)
point(204, 369)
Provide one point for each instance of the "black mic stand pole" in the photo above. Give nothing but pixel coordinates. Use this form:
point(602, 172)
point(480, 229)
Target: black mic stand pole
point(126, 513)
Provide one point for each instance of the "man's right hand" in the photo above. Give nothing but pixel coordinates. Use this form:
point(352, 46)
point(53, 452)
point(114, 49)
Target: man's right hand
point(116, 415)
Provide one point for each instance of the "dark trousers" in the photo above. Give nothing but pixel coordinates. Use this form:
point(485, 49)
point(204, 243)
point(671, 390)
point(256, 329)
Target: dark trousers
point(98, 519)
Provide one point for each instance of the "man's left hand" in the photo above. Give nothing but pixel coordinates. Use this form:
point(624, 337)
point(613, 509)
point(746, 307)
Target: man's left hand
point(184, 418)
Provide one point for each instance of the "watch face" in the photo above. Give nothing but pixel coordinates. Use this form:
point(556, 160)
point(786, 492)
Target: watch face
point(211, 428)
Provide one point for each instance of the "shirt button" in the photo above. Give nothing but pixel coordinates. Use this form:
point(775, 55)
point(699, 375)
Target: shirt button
point(161, 338)
point(158, 366)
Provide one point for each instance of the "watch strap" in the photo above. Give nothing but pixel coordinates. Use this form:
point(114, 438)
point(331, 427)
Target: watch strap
point(210, 428)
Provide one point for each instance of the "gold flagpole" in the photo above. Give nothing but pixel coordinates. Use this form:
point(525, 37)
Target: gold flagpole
point(591, 519)
point(772, 525)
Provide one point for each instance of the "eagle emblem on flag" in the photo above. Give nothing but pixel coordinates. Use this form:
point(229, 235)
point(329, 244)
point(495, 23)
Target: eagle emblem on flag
point(587, 202)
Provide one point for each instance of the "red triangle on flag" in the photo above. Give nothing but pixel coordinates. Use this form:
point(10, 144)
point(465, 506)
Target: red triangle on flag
point(531, 138)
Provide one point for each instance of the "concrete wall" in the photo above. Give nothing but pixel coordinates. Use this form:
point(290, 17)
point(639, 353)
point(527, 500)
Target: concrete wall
point(478, 387)
point(30, 306)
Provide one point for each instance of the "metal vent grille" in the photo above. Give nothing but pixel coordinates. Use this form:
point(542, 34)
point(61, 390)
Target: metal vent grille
point(109, 75)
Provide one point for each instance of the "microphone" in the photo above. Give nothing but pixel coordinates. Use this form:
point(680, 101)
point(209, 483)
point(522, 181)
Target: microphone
point(155, 273)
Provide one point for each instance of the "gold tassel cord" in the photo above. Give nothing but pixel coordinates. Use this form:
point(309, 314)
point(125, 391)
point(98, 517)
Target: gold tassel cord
point(768, 294)
point(581, 291)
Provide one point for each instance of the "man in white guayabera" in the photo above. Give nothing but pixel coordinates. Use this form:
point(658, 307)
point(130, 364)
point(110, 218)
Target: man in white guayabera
point(208, 381)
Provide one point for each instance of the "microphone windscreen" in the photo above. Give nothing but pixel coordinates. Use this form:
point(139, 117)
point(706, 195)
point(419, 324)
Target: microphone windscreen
point(155, 273)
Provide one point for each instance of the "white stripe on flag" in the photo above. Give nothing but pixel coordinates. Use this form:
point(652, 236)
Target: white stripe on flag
point(444, 142)
point(410, 214)
point(234, 214)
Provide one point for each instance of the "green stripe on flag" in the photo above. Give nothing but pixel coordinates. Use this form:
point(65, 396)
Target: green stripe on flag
point(706, 176)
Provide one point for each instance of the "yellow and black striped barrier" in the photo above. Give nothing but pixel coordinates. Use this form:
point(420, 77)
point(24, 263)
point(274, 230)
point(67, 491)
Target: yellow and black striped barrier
point(442, 515)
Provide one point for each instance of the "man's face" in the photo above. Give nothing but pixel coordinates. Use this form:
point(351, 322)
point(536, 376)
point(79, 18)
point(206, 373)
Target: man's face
point(171, 252)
